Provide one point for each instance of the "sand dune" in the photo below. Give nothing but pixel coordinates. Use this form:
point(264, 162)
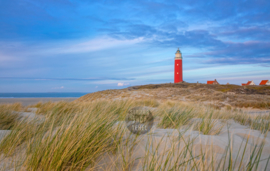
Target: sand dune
point(30, 101)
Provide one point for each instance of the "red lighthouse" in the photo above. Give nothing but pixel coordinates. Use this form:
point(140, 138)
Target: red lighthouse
point(178, 69)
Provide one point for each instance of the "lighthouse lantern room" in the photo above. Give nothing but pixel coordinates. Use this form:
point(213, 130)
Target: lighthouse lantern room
point(178, 69)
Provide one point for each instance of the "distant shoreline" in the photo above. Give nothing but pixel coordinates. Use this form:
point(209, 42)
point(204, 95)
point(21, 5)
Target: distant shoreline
point(33, 97)
point(43, 95)
point(33, 100)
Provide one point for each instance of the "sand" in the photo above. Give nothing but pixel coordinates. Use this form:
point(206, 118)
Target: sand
point(162, 142)
point(29, 101)
point(166, 140)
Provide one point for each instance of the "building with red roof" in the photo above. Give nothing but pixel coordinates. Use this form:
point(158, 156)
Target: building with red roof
point(265, 82)
point(212, 82)
point(248, 83)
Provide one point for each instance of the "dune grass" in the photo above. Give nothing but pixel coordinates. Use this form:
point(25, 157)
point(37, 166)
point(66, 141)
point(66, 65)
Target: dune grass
point(8, 117)
point(87, 135)
point(73, 145)
point(175, 116)
point(189, 158)
point(253, 104)
point(202, 119)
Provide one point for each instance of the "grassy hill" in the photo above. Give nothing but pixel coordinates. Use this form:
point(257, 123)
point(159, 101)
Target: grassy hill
point(188, 133)
point(217, 95)
point(263, 90)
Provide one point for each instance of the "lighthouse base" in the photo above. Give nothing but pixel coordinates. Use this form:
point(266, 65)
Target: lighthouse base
point(180, 82)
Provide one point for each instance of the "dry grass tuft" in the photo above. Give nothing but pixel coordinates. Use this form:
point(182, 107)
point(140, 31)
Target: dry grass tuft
point(8, 117)
point(176, 116)
point(253, 104)
point(78, 136)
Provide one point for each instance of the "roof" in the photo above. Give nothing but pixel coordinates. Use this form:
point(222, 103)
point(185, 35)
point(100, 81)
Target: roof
point(263, 82)
point(178, 51)
point(212, 82)
point(243, 84)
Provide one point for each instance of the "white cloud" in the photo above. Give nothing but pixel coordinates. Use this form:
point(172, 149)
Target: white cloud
point(77, 46)
point(122, 84)
point(7, 59)
point(110, 82)
point(21, 49)
point(95, 44)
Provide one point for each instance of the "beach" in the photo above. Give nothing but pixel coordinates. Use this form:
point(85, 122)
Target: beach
point(178, 132)
point(30, 101)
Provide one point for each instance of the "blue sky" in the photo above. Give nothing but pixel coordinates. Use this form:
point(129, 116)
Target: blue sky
point(86, 46)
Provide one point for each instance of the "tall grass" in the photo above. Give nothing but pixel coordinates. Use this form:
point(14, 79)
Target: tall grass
point(8, 117)
point(72, 136)
point(185, 155)
point(256, 122)
point(74, 145)
point(93, 136)
point(175, 117)
point(202, 119)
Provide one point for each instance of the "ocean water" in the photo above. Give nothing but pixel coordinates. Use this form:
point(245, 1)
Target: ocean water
point(33, 95)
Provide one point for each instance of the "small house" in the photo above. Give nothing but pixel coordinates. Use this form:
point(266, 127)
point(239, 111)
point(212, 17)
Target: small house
point(212, 82)
point(248, 83)
point(265, 82)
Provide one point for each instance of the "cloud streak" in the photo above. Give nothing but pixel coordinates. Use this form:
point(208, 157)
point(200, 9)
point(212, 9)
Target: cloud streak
point(109, 43)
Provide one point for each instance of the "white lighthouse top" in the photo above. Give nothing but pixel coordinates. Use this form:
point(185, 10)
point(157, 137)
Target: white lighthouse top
point(178, 54)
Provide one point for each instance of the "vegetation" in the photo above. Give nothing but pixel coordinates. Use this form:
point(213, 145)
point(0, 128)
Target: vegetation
point(8, 117)
point(218, 95)
point(175, 115)
point(253, 104)
point(92, 136)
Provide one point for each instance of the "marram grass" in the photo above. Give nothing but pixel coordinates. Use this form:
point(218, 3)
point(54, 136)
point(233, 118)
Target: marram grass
point(8, 115)
point(90, 136)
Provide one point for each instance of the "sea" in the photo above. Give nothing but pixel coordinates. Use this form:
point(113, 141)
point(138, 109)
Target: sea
point(35, 95)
